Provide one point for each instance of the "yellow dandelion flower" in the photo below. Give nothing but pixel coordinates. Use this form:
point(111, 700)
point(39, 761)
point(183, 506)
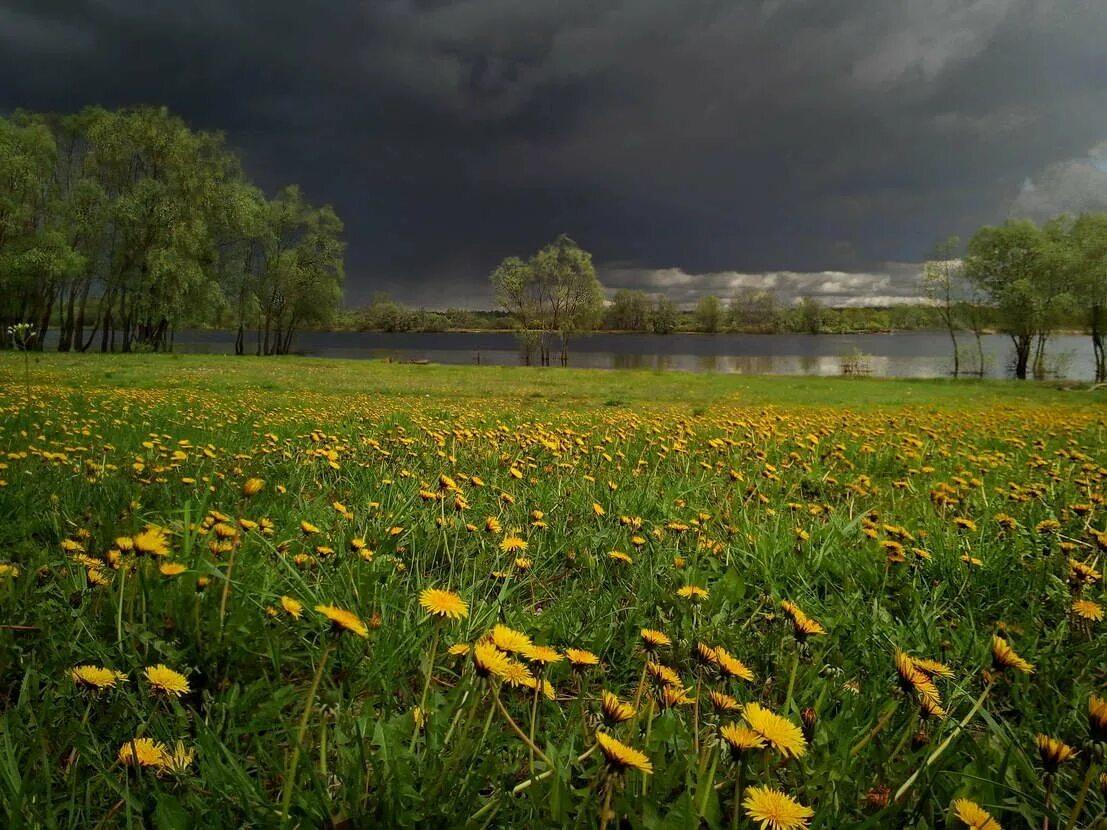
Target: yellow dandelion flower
point(663, 674)
point(510, 640)
point(732, 666)
point(621, 757)
point(1088, 610)
point(783, 735)
point(740, 738)
point(177, 760)
point(653, 639)
point(775, 810)
point(1097, 718)
point(172, 568)
point(693, 592)
point(1004, 657)
point(166, 681)
point(973, 815)
point(515, 674)
point(96, 677)
point(343, 620)
point(614, 710)
point(581, 658)
point(439, 603)
point(152, 542)
point(510, 544)
point(144, 752)
point(723, 702)
point(542, 654)
point(1053, 751)
point(292, 607)
point(489, 660)
point(252, 486)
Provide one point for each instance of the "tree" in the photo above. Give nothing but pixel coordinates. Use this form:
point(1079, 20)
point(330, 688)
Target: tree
point(555, 293)
point(302, 275)
point(811, 313)
point(664, 317)
point(629, 311)
point(1022, 270)
point(709, 314)
point(1088, 236)
point(35, 255)
point(755, 310)
point(133, 223)
point(941, 285)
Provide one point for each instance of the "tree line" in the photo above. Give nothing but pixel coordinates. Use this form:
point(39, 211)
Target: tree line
point(1028, 281)
point(120, 226)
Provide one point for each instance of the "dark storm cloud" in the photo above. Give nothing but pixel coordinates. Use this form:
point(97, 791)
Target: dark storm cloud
point(691, 139)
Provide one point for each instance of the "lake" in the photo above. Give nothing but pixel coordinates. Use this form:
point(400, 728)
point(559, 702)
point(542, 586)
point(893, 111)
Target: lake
point(906, 354)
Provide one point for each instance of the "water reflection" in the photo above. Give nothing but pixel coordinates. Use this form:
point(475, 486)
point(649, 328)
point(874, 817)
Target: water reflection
point(909, 354)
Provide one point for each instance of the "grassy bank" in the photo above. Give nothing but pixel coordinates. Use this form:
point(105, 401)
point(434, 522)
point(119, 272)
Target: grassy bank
point(868, 595)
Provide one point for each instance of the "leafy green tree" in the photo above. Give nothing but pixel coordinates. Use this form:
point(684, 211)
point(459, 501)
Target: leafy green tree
point(629, 311)
point(302, 275)
point(1024, 272)
point(754, 310)
point(555, 293)
point(709, 314)
point(665, 316)
point(811, 314)
point(35, 255)
point(1088, 236)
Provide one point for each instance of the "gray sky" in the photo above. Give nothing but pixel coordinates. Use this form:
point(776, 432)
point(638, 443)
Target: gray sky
point(691, 145)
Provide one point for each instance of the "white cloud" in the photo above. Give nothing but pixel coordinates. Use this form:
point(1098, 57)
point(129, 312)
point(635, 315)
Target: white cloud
point(893, 282)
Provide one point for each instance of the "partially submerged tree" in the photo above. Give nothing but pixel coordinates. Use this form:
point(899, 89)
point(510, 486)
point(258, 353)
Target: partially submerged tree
point(554, 294)
point(1088, 236)
point(1024, 271)
point(943, 275)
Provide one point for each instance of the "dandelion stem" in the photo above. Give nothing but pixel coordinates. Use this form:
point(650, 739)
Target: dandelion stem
point(294, 758)
point(791, 681)
point(426, 687)
point(542, 776)
point(933, 756)
point(534, 719)
point(226, 591)
point(885, 716)
point(1078, 808)
point(649, 726)
point(605, 810)
point(706, 788)
point(515, 728)
point(908, 731)
point(641, 686)
point(737, 796)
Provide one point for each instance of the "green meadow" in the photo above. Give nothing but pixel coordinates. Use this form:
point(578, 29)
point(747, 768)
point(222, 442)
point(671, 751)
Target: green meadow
point(287, 592)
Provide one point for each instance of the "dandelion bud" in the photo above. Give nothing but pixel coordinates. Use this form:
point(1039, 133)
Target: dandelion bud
point(809, 717)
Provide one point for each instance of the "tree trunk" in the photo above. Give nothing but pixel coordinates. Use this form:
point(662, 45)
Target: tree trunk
point(1022, 354)
point(239, 341)
point(956, 356)
point(1097, 322)
point(1039, 355)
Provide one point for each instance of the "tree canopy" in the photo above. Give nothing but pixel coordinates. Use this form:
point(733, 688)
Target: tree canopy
point(553, 294)
point(124, 225)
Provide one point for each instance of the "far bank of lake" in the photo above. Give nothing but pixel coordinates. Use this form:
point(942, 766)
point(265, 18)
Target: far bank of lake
point(925, 354)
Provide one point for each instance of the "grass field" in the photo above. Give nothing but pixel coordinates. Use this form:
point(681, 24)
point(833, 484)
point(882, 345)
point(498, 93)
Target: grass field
point(305, 593)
